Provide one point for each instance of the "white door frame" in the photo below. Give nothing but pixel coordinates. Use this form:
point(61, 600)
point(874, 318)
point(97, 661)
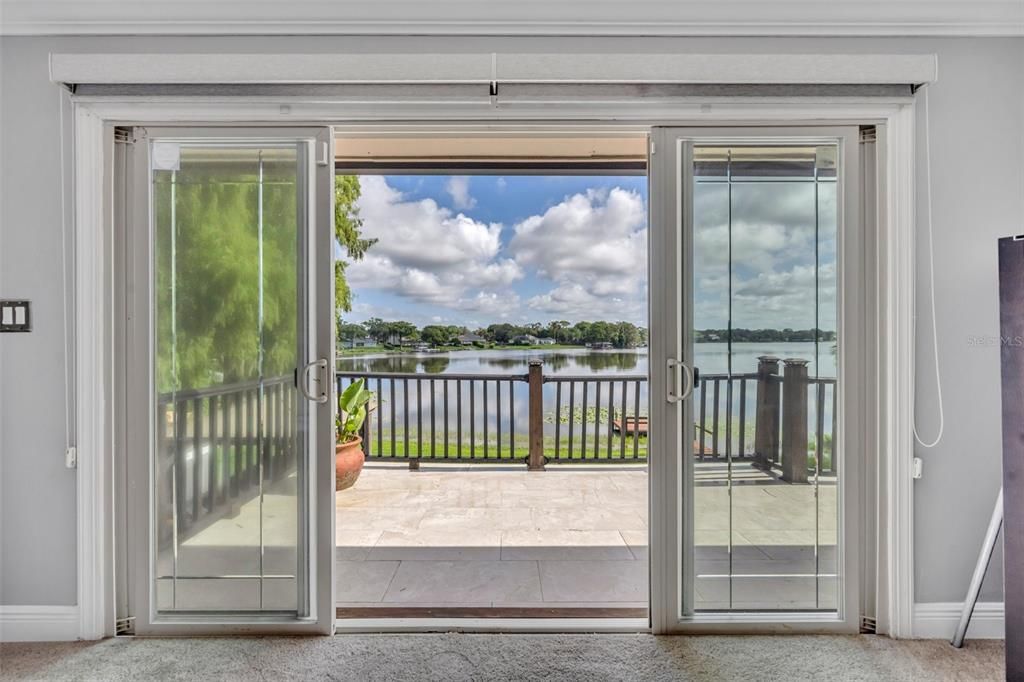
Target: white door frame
point(893, 391)
point(671, 254)
point(315, 535)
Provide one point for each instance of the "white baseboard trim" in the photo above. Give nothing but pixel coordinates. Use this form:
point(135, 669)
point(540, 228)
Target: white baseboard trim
point(938, 620)
point(38, 623)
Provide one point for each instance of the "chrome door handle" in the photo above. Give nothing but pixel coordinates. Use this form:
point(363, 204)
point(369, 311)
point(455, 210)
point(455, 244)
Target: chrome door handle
point(676, 372)
point(323, 394)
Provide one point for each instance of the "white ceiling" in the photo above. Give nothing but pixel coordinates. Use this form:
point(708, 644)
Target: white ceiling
point(515, 17)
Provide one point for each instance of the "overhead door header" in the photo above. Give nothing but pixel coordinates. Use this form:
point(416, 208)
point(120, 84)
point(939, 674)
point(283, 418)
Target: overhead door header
point(493, 69)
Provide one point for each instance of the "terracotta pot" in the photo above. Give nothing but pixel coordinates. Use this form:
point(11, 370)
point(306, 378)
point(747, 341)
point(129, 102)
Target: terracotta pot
point(348, 463)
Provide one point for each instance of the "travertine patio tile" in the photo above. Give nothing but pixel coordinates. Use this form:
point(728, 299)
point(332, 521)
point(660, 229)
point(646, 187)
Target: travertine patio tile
point(564, 544)
point(362, 581)
point(378, 518)
point(564, 519)
point(604, 581)
point(439, 545)
point(459, 519)
point(637, 541)
point(464, 581)
point(548, 499)
point(372, 497)
point(590, 518)
point(354, 545)
point(456, 496)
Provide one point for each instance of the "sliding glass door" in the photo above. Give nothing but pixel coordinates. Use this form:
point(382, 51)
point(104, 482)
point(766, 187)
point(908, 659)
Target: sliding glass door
point(229, 410)
point(756, 235)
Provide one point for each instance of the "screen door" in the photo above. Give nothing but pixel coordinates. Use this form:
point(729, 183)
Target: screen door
point(229, 419)
point(755, 243)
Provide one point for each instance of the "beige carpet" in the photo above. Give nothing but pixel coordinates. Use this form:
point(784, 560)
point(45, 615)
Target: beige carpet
point(504, 657)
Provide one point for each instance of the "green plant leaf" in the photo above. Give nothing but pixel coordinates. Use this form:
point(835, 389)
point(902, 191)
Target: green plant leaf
point(351, 410)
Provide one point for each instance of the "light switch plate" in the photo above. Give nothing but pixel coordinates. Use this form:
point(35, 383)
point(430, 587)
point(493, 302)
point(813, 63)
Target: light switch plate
point(15, 316)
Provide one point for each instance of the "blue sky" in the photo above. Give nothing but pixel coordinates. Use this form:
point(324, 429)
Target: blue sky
point(475, 250)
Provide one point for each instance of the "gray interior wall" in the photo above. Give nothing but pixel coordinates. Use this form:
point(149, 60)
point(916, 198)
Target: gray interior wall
point(977, 118)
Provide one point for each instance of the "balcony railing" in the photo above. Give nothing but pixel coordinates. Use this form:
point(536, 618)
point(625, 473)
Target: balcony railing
point(536, 419)
point(216, 444)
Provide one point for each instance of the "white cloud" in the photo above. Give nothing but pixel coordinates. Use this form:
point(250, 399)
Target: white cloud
point(772, 242)
point(492, 303)
point(769, 299)
point(425, 252)
point(593, 246)
point(574, 302)
point(458, 188)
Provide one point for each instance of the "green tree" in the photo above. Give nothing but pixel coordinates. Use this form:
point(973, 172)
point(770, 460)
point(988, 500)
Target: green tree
point(378, 329)
point(347, 225)
point(402, 331)
point(502, 333)
point(348, 331)
point(212, 325)
point(224, 315)
point(556, 330)
point(436, 335)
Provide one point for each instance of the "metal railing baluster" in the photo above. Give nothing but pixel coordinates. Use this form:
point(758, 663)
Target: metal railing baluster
point(511, 418)
point(611, 415)
point(636, 418)
point(558, 420)
point(583, 425)
point(572, 414)
point(433, 435)
point(622, 422)
point(743, 418)
point(444, 387)
point(458, 417)
point(405, 417)
point(394, 423)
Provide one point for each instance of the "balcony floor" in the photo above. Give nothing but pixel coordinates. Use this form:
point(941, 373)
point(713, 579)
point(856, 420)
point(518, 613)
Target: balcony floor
point(566, 539)
point(493, 536)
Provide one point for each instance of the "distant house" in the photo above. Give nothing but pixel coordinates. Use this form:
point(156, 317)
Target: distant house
point(470, 339)
point(546, 342)
point(360, 342)
point(600, 345)
point(525, 340)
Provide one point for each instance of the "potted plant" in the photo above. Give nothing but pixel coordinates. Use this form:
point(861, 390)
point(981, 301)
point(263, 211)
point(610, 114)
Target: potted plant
point(348, 452)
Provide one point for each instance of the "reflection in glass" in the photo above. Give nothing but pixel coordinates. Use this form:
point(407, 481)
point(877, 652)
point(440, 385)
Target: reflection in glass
point(227, 315)
point(765, 509)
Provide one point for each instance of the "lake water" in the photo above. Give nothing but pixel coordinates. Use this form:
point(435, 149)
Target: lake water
point(711, 358)
point(423, 418)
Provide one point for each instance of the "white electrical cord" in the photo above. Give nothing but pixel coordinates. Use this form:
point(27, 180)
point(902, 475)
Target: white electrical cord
point(931, 275)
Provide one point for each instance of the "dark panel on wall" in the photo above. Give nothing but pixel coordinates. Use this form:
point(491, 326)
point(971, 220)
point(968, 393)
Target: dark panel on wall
point(1011, 306)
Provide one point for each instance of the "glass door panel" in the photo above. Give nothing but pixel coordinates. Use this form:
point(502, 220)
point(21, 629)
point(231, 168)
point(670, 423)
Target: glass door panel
point(227, 320)
point(753, 497)
point(234, 319)
point(764, 334)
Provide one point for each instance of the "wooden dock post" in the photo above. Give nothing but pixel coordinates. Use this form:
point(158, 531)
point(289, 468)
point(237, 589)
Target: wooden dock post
point(766, 412)
point(794, 421)
point(535, 460)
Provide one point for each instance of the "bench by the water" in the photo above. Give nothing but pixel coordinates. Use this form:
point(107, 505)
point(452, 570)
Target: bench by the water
point(630, 425)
